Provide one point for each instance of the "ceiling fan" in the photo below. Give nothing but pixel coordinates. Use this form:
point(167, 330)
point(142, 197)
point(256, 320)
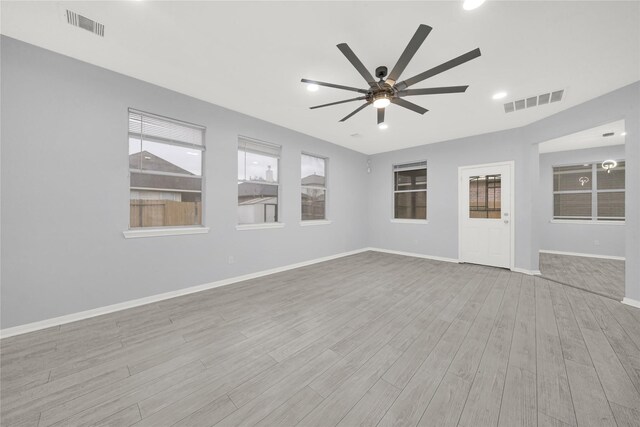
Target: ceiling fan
point(387, 91)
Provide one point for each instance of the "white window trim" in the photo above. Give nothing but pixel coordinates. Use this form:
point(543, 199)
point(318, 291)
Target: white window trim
point(277, 184)
point(326, 219)
point(261, 226)
point(585, 222)
point(310, 222)
point(135, 233)
point(409, 221)
point(593, 219)
point(393, 218)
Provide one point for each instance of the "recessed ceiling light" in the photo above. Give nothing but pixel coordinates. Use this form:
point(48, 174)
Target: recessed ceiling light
point(499, 95)
point(192, 153)
point(623, 134)
point(255, 163)
point(383, 126)
point(472, 4)
point(312, 88)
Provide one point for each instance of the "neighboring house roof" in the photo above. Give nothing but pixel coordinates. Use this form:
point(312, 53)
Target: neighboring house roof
point(150, 161)
point(252, 189)
point(313, 180)
point(166, 182)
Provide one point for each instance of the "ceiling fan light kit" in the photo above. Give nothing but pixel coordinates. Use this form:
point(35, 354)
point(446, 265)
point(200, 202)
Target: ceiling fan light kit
point(387, 89)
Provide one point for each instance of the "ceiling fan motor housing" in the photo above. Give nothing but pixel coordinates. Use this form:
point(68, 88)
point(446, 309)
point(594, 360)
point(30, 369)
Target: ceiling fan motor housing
point(381, 72)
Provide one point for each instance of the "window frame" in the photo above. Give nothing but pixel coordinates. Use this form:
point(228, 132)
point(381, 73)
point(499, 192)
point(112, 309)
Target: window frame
point(594, 217)
point(168, 230)
point(394, 191)
point(259, 225)
point(325, 220)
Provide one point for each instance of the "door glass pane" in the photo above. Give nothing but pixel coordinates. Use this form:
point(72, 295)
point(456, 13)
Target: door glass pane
point(485, 196)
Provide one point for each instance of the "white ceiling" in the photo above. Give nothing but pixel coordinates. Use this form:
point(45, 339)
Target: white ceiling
point(250, 56)
point(588, 138)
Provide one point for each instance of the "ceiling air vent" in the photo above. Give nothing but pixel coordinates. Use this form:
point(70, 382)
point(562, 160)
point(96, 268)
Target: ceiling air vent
point(85, 23)
point(533, 101)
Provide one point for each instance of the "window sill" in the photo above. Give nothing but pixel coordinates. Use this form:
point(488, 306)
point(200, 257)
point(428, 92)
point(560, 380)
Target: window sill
point(587, 222)
point(409, 221)
point(315, 222)
point(157, 232)
point(242, 227)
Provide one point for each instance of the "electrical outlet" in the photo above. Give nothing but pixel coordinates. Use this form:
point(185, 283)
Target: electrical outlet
point(231, 259)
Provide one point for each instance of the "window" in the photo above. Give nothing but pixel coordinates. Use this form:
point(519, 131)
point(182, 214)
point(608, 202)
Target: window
point(589, 192)
point(165, 170)
point(485, 196)
point(410, 191)
point(313, 187)
point(258, 189)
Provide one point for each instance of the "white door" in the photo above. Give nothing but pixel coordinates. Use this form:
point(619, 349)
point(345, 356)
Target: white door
point(486, 214)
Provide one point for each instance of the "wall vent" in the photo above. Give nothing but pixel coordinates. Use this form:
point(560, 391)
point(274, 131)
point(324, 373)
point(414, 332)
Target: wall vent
point(85, 23)
point(533, 101)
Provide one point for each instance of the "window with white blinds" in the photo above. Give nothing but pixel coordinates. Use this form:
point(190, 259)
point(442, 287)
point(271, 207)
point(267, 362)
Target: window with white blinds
point(410, 190)
point(593, 191)
point(258, 181)
point(166, 165)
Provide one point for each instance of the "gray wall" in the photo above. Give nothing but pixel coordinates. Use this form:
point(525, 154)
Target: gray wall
point(571, 237)
point(65, 191)
point(65, 194)
point(440, 236)
point(621, 104)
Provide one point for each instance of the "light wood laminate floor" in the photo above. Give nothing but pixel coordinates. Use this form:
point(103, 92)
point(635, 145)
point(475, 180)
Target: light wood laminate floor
point(601, 276)
point(371, 339)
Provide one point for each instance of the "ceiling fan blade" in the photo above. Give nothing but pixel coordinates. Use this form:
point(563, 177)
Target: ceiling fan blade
point(380, 115)
point(315, 82)
point(360, 98)
point(346, 51)
point(433, 90)
point(357, 110)
point(439, 69)
point(409, 105)
point(414, 44)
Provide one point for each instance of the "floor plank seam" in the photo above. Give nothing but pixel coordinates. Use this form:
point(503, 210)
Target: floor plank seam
point(598, 375)
point(509, 354)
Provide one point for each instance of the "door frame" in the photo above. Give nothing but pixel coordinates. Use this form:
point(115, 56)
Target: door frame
point(461, 194)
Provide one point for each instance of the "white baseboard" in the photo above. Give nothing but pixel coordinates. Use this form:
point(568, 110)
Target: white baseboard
point(631, 302)
point(525, 271)
point(48, 323)
point(545, 251)
point(438, 258)
point(435, 258)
